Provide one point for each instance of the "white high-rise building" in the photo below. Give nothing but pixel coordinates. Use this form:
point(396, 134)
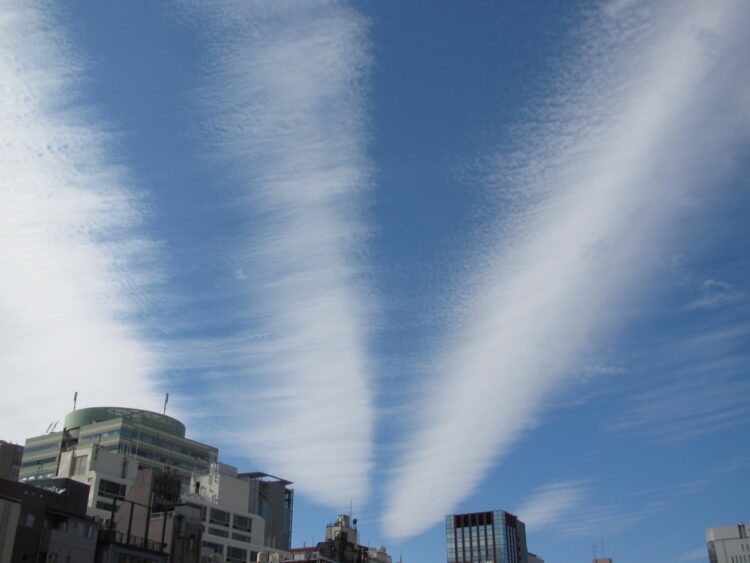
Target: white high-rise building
point(729, 544)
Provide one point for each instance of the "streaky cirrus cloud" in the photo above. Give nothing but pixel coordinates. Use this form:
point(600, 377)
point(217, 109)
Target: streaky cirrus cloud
point(573, 509)
point(74, 273)
point(552, 502)
point(643, 121)
point(283, 106)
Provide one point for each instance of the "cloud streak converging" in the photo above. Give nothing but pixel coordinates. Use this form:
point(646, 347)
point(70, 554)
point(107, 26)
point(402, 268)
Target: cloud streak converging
point(652, 110)
point(283, 102)
point(73, 271)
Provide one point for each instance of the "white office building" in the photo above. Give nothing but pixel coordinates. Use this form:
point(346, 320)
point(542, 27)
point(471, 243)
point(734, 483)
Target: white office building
point(231, 532)
point(108, 475)
point(729, 544)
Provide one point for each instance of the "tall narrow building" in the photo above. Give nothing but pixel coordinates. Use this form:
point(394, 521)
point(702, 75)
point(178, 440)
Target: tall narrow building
point(485, 537)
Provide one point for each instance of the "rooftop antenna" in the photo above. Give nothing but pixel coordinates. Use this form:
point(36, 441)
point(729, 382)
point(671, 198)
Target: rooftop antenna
point(166, 400)
point(75, 399)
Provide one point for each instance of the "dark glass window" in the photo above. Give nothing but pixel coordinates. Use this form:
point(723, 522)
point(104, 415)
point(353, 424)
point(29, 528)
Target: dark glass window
point(214, 547)
point(236, 554)
point(242, 523)
point(111, 489)
point(219, 517)
point(218, 532)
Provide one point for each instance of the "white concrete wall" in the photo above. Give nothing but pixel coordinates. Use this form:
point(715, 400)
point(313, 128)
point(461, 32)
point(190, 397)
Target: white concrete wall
point(101, 464)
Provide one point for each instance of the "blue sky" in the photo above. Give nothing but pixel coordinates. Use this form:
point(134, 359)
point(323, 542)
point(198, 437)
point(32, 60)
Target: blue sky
point(477, 256)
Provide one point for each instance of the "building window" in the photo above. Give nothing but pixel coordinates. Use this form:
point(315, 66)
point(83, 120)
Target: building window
point(241, 537)
point(219, 533)
point(111, 489)
point(80, 464)
point(214, 547)
point(242, 523)
point(236, 554)
point(219, 517)
point(104, 505)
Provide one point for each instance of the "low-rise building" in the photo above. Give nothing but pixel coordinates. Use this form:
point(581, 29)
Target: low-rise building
point(152, 515)
point(50, 522)
point(729, 544)
point(231, 531)
point(108, 475)
point(10, 460)
point(10, 514)
point(341, 546)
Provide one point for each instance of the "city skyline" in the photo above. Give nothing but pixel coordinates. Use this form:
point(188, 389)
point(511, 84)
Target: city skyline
point(417, 261)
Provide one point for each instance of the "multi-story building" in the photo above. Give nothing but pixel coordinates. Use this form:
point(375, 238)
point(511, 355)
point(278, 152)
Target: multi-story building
point(48, 523)
point(341, 546)
point(485, 537)
point(10, 460)
point(729, 544)
point(232, 531)
point(534, 558)
point(152, 439)
point(153, 519)
point(108, 475)
point(273, 499)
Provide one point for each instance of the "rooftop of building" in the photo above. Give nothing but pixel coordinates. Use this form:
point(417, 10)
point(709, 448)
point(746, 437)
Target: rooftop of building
point(261, 476)
point(157, 421)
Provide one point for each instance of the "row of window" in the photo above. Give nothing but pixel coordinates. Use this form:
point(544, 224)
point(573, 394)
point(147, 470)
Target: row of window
point(232, 552)
point(147, 438)
point(740, 559)
point(54, 447)
point(221, 518)
point(37, 462)
point(111, 489)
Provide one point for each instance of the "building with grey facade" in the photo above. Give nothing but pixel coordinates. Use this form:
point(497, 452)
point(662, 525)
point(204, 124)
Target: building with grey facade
point(272, 498)
point(485, 537)
point(230, 507)
point(341, 546)
point(46, 522)
point(151, 439)
point(10, 460)
point(729, 544)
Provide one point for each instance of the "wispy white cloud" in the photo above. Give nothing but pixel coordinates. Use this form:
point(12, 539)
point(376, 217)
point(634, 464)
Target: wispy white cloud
point(715, 293)
point(74, 275)
point(697, 388)
point(650, 117)
point(571, 509)
point(552, 502)
point(284, 106)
